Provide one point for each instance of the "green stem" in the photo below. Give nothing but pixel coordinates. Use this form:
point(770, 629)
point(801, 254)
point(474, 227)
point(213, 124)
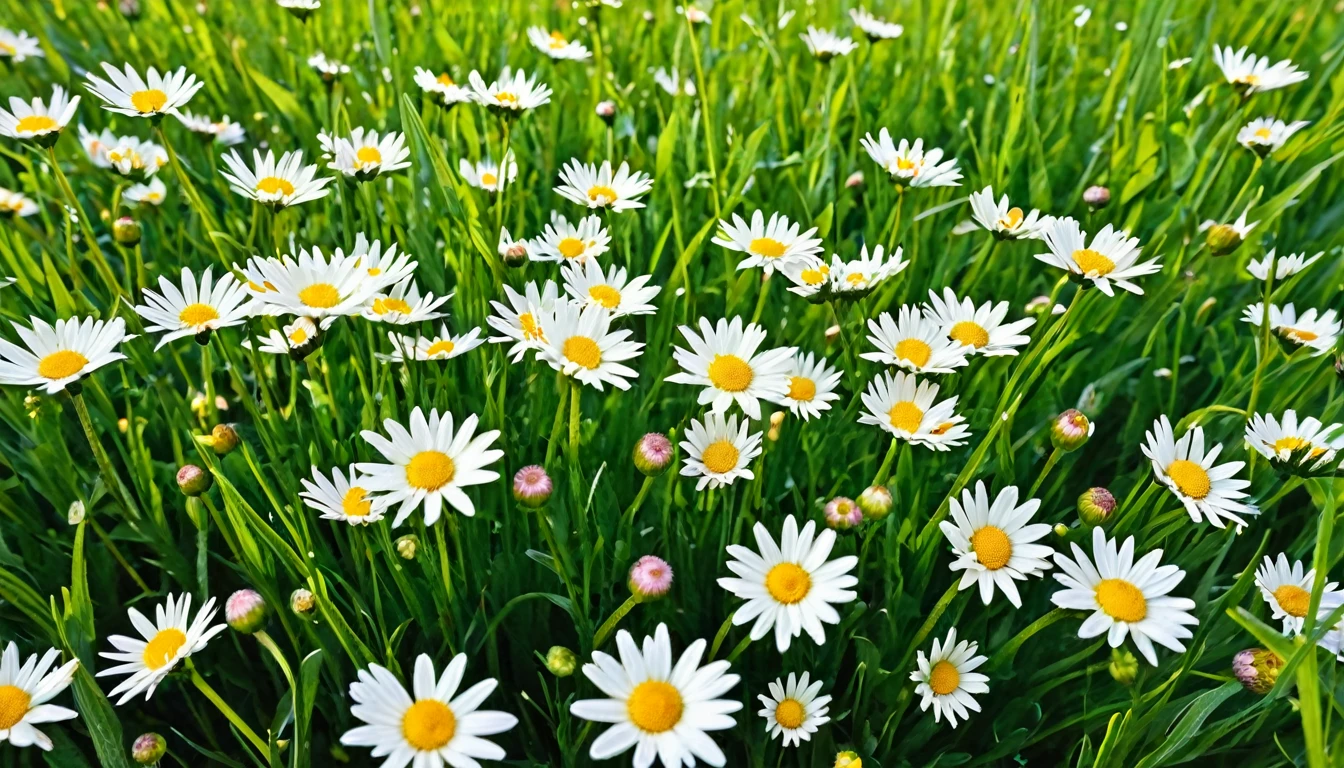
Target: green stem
point(1264, 352)
point(227, 711)
point(100, 263)
point(703, 90)
point(1045, 471)
point(609, 625)
point(110, 477)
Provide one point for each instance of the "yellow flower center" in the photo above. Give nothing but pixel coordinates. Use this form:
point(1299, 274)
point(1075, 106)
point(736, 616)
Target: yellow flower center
point(14, 703)
point(814, 276)
point(390, 304)
point(428, 725)
point(36, 124)
point(720, 456)
point(531, 329)
point(1121, 600)
point(605, 295)
point(298, 336)
point(506, 97)
point(992, 547)
point(789, 714)
point(1012, 219)
point(802, 389)
point(906, 416)
point(197, 314)
point(856, 278)
point(148, 101)
point(969, 333)
point(1190, 478)
point(730, 373)
point(60, 364)
point(445, 80)
point(944, 678)
point(788, 583)
point(1298, 335)
point(368, 156)
point(274, 185)
point(583, 351)
point(7, 50)
point(163, 647)
point(558, 41)
point(655, 706)
point(905, 164)
point(356, 502)
point(767, 247)
point(601, 194)
point(571, 247)
point(444, 347)
point(1249, 80)
point(1262, 133)
point(489, 179)
point(1291, 444)
point(320, 296)
point(375, 271)
point(1092, 263)
point(914, 351)
point(1293, 599)
point(430, 470)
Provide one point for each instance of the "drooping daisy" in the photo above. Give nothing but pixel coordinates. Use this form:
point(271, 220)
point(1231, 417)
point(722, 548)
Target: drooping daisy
point(486, 174)
point(17, 47)
point(947, 679)
point(224, 132)
point(794, 710)
point(341, 498)
point(596, 187)
point(719, 450)
point(163, 643)
point(1252, 74)
point(520, 321)
point(58, 355)
point(96, 145)
point(1296, 448)
point(16, 204)
point(565, 242)
point(295, 338)
point(811, 386)
point(915, 342)
point(431, 726)
point(1317, 333)
point(509, 248)
point(811, 277)
point(578, 342)
point(993, 542)
point(152, 96)
point(1204, 488)
point(1239, 227)
point(444, 346)
point(25, 689)
point(826, 45)
point(589, 285)
point(1125, 597)
point(724, 359)
point(790, 586)
point(36, 120)
point(662, 709)
point(1284, 266)
point(364, 155)
point(328, 69)
point(300, 9)
point(982, 329)
point(512, 94)
point(312, 285)
point(403, 305)
point(770, 245)
point(1003, 221)
point(859, 276)
point(153, 193)
point(1265, 135)
point(1287, 590)
point(672, 82)
point(429, 464)
point(383, 267)
point(874, 27)
point(279, 184)
point(553, 43)
point(1110, 260)
point(197, 308)
point(911, 165)
point(904, 406)
point(442, 87)
point(136, 158)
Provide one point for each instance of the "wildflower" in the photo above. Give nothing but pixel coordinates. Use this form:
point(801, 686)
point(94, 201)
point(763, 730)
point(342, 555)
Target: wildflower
point(905, 407)
point(1004, 222)
point(58, 356)
point(719, 450)
point(316, 286)
point(532, 486)
point(300, 9)
point(874, 27)
point(590, 286)
point(672, 82)
point(858, 277)
point(403, 305)
point(826, 45)
point(327, 69)
point(18, 46)
point(298, 339)
point(486, 174)
point(38, 121)
point(344, 497)
point(152, 96)
point(650, 578)
point(770, 245)
point(1223, 239)
point(567, 243)
point(842, 513)
point(520, 320)
point(443, 346)
point(136, 158)
point(1204, 488)
point(1108, 262)
point(981, 330)
point(596, 187)
point(1097, 197)
point(1252, 74)
point(364, 155)
point(153, 193)
point(245, 611)
point(25, 689)
point(653, 454)
point(149, 749)
point(947, 678)
point(16, 204)
point(725, 361)
point(911, 165)
point(811, 386)
point(1284, 266)
point(1095, 506)
point(277, 184)
point(197, 309)
point(993, 543)
point(164, 642)
point(1305, 448)
point(1287, 590)
point(512, 94)
point(915, 342)
point(223, 439)
point(554, 44)
point(875, 501)
point(1317, 333)
point(1265, 135)
point(578, 342)
point(1070, 430)
point(1257, 669)
point(448, 93)
point(794, 710)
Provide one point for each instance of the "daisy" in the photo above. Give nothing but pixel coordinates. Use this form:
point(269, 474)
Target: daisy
point(874, 27)
point(38, 121)
point(981, 330)
point(442, 87)
point(794, 709)
point(403, 305)
point(430, 464)
point(1204, 488)
point(1251, 74)
point(509, 248)
point(196, 309)
point(811, 386)
point(858, 277)
point(328, 69)
point(512, 94)
point(672, 83)
point(364, 155)
point(587, 283)
point(1287, 590)
point(294, 339)
point(152, 96)
point(1265, 135)
point(277, 184)
point(1296, 448)
point(164, 642)
point(1317, 333)
point(719, 450)
point(562, 241)
point(25, 689)
point(947, 678)
point(311, 286)
point(723, 358)
point(436, 726)
point(915, 342)
point(600, 188)
point(578, 342)
point(59, 356)
point(382, 267)
point(153, 193)
point(769, 245)
point(904, 406)
point(133, 157)
point(1125, 597)
point(1004, 222)
point(18, 46)
point(790, 586)
point(811, 277)
point(341, 497)
point(300, 9)
point(16, 204)
point(826, 45)
point(1240, 227)
point(486, 174)
point(1108, 261)
point(96, 145)
point(1284, 267)
point(661, 709)
point(993, 542)
point(223, 132)
point(911, 164)
point(520, 320)
point(444, 346)
point(555, 45)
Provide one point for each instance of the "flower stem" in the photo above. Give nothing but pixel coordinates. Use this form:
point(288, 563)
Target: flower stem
point(100, 264)
point(608, 626)
point(227, 711)
point(1045, 471)
point(110, 477)
point(1264, 352)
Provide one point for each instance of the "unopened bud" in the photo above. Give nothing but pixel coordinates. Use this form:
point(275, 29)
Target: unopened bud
point(515, 255)
point(650, 578)
point(123, 424)
point(776, 423)
point(223, 439)
point(855, 179)
point(561, 661)
point(653, 454)
point(302, 602)
point(875, 501)
point(842, 513)
point(1061, 530)
point(407, 546)
point(1097, 197)
point(532, 486)
point(194, 481)
point(1222, 239)
point(126, 231)
point(1124, 667)
point(149, 749)
point(1257, 669)
point(75, 514)
point(848, 759)
point(832, 333)
point(1070, 430)
point(245, 611)
point(1095, 506)
point(607, 111)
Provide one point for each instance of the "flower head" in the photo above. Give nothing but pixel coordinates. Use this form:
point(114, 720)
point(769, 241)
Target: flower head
point(910, 164)
point(26, 687)
point(57, 356)
point(947, 680)
point(152, 96)
point(170, 638)
point(596, 187)
point(37, 120)
point(650, 577)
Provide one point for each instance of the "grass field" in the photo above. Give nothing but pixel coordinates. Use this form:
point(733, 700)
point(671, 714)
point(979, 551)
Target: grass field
point(1039, 481)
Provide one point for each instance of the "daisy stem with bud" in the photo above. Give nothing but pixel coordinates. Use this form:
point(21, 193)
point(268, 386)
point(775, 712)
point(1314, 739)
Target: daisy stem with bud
point(1050, 463)
point(227, 711)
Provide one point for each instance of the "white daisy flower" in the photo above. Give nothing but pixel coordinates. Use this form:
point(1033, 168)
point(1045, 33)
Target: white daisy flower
point(17, 47)
point(553, 43)
point(224, 132)
point(37, 120)
point(442, 87)
point(520, 321)
point(163, 643)
point(430, 464)
point(312, 286)
point(811, 386)
point(1125, 597)
point(915, 342)
point(858, 277)
point(663, 710)
point(133, 157)
point(1333, 639)
point(982, 330)
point(293, 338)
point(279, 184)
point(438, 726)
point(16, 204)
point(1204, 488)
point(486, 174)
point(198, 308)
point(153, 193)
point(719, 450)
point(911, 165)
point(59, 355)
point(590, 286)
point(96, 145)
point(874, 27)
point(383, 267)
point(1252, 73)
point(565, 242)
point(343, 497)
point(364, 154)
point(1287, 590)
point(725, 361)
point(152, 96)
point(904, 406)
point(513, 93)
point(1284, 268)
point(810, 275)
point(770, 245)
point(27, 686)
point(403, 305)
point(1265, 135)
point(1317, 333)
point(947, 679)
point(790, 586)
point(300, 9)
point(826, 45)
point(1109, 261)
point(794, 709)
point(672, 83)
point(1303, 448)
point(329, 69)
point(596, 187)
point(1239, 226)
point(578, 342)
point(444, 346)
point(1005, 222)
point(993, 542)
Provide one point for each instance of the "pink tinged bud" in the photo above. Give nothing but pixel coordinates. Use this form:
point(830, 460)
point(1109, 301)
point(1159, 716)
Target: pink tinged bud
point(875, 501)
point(1096, 506)
point(842, 513)
point(532, 486)
point(650, 578)
point(245, 611)
point(1070, 430)
point(1257, 669)
point(194, 481)
point(855, 180)
point(515, 255)
point(653, 454)
point(126, 231)
point(1097, 197)
point(607, 111)
point(149, 749)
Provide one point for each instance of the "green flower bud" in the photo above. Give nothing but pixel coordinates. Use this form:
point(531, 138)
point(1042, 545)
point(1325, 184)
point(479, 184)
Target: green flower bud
point(149, 749)
point(194, 481)
point(223, 439)
point(1095, 506)
point(1124, 667)
point(1070, 430)
point(407, 546)
point(1222, 239)
point(875, 501)
point(561, 661)
point(126, 231)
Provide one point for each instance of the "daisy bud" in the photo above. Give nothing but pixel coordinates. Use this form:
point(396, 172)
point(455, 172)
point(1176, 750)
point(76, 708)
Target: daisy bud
point(223, 439)
point(648, 17)
point(1038, 306)
point(245, 611)
point(855, 179)
point(515, 256)
point(407, 545)
point(532, 486)
point(75, 514)
point(149, 749)
point(1222, 239)
point(842, 513)
point(1124, 667)
point(650, 578)
point(302, 602)
point(129, 8)
point(1096, 506)
point(1070, 430)
point(875, 501)
point(1061, 530)
point(832, 333)
point(848, 759)
point(126, 231)
point(194, 481)
point(776, 422)
point(607, 111)
point(561, 661)
point(1257, 669)
point(653, 453)
point(1097, 197)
